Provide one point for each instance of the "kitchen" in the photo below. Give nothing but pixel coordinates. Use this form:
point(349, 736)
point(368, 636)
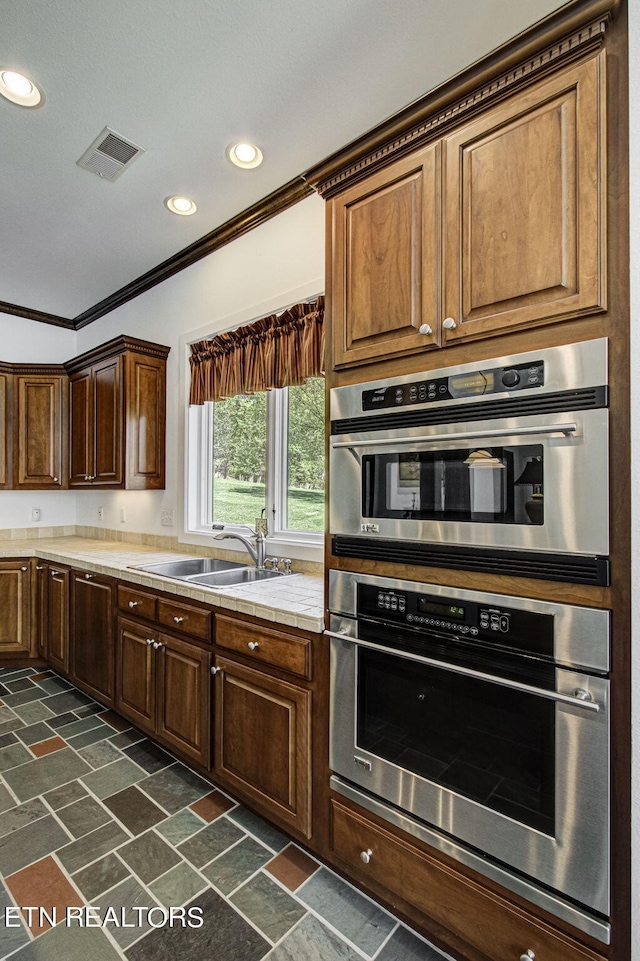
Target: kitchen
point(281, 262)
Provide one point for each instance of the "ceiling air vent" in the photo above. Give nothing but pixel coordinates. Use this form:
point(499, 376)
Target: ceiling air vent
point(109, 155)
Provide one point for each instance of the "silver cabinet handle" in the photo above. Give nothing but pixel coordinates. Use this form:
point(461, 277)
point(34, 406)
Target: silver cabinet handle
point(178, 620)
point(216, 670)
point(449, 323)
point(425, 329)
point(565, 429)
point(55, 480)
point(528, 955)
point(365, 856)
point(39, 567)
point(157, 645)
point(24, 568)
point(133, 604)
point(576, 699)
point(53, 573)
point(89, 576)
point(149, 641)
point(253, 645)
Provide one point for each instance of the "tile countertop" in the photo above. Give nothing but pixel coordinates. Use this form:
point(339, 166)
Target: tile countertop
point(295, 600)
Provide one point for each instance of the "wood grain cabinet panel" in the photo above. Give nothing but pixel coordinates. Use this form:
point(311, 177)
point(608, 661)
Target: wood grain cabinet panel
point(117, 414)
point(92, 642)
point(184, 618)
point(263, 742)
point(39, 433)
point(137, 603)
point(5, 386)
point(385, 266)
point(523, 217)
point(55, 613)
point(273, 647)
point(16, 635)
point(496, 929)
point(183, 697)
point(135, 695)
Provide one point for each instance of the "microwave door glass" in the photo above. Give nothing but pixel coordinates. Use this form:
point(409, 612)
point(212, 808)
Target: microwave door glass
point(498, 485)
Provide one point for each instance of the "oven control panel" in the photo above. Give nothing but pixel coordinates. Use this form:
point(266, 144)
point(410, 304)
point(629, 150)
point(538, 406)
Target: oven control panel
point(508, 627)
point(478, 383)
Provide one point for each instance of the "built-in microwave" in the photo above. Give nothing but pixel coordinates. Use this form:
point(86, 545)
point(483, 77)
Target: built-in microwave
point(500, 466)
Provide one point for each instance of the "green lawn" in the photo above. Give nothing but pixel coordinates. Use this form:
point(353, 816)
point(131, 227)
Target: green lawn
point(240, 502)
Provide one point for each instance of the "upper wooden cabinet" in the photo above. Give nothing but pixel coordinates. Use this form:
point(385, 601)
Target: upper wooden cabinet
point(40, 405)
point(117, 416)
point(496, 227)
point(386, 261)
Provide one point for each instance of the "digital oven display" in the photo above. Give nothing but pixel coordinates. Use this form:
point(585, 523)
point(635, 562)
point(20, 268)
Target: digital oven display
point(467, 385)
point(443, 610)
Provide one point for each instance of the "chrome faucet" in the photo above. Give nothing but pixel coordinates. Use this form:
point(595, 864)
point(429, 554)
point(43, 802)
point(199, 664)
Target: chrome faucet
point(256, 547)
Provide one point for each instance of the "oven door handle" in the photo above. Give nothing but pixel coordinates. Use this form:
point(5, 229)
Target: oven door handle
point(581, 699)
point(565, 429)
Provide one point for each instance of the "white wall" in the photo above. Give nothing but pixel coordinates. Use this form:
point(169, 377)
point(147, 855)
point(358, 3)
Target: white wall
point(280, 262)
point(634, 111)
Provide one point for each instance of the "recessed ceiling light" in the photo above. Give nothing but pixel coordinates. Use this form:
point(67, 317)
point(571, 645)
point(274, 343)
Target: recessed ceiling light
point(244, 155)
point(180, 205)
point(19, 89)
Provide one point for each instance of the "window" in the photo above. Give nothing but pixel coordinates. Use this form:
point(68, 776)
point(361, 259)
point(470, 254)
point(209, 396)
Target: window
point(260, 452)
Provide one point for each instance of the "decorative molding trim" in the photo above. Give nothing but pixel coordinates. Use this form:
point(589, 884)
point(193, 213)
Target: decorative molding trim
point(522, 61)
point(259, 213)
point(39, 315)
point(114, 347)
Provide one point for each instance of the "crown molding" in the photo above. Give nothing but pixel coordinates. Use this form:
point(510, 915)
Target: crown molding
point(39, 315)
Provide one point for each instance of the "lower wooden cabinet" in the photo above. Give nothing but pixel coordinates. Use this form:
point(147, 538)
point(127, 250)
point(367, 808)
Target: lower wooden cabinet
point(17, 636)
point(263, 742)
point(163, 686)
point(483, 924)
point(92, 642)
point(54, 615)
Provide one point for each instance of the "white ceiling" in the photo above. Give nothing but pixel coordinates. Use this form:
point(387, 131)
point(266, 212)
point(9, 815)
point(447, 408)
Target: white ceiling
point(301, 78)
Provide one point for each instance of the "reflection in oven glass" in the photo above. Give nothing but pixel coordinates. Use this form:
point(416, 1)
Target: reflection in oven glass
point(485, 742)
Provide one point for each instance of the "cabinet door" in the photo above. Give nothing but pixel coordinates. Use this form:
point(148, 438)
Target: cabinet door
point(107, 387)
point(39, 430)
point(183, 697)
point(15, 608)
point(81, 429)
point(92, 640)
point(263, 742)
point(135, 674)
point(523, 209)
point(385, 261)
point(145, 422)
point(4, 420)
point(56, 627)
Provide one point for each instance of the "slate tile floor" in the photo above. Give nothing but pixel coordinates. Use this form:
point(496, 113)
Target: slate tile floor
point(94, 814)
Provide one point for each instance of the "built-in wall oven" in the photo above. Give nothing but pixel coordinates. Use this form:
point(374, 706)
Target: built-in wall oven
point(480, 723)
point(500, 466)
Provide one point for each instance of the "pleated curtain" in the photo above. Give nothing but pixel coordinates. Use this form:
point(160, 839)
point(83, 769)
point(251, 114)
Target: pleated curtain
point(278, 351)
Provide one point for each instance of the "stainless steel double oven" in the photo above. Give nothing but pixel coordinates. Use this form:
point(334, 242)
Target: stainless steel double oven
point(499, 466)
point(480, 723)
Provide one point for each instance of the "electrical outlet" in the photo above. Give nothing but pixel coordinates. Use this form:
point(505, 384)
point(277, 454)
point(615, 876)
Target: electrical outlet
point(101, 513)
point(123, 515)
point(35, 513)
point(167, 518)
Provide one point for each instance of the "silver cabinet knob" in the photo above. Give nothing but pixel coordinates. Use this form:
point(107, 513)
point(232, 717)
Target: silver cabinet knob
point(89, 576)
point(449, 323)
point(253, 645)
point(39, 567)
point(365, 856)
point(55, 480)
point(24, 568)
point(528, 955)
point(149, 641)
point(215, 670)
point(156, 645)
point(425, 329)
point(178, 620)
point(133, 604)
point(53, 573)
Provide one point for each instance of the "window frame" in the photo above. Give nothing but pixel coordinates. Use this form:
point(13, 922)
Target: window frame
point(199, 514)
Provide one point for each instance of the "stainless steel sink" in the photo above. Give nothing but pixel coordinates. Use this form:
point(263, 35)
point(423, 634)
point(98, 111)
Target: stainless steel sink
point(247, 575)
point(185, 570)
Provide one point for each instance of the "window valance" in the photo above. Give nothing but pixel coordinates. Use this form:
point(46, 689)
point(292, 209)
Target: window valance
point(278, 351)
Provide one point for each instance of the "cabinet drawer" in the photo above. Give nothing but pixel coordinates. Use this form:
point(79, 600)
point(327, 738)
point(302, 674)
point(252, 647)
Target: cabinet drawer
point(137, 603)
point(188, 620)
point(285, 651)
point(495, 928)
